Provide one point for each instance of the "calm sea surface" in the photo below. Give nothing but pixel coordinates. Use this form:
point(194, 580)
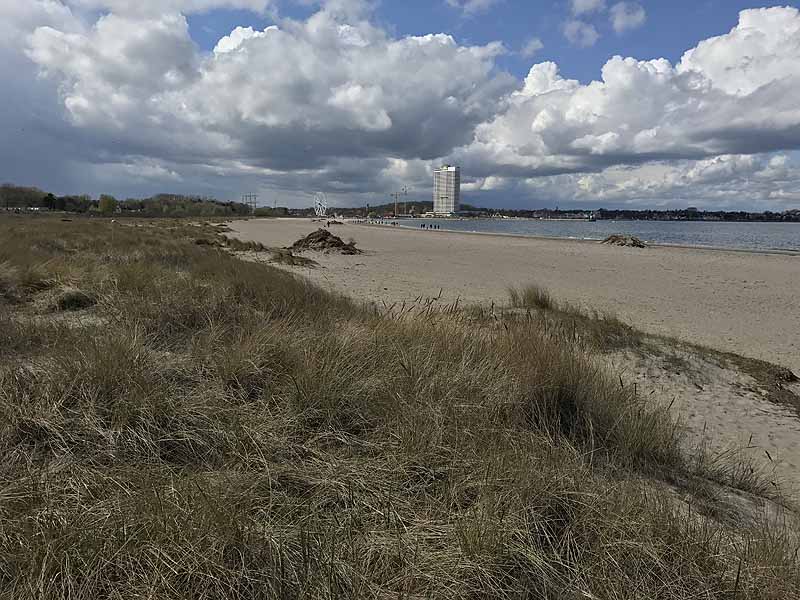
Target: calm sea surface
point(754, 236)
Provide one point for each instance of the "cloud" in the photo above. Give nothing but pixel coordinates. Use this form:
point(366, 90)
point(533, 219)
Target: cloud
point(335, 102)
point(731, 95)
point(239, 36)
point(531, 47)
point(721, 182)
point(767, 182)
point(156, 7)
point(580, 7)
point(627, 15)
point(580, 34)
point(308, 95)
point(471, 7)
point(353, 10)
point(135, 172)
point(111, 73)
point(18, 19)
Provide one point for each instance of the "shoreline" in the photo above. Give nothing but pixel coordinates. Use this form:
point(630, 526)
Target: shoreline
point(742, 302)
point(778, 251)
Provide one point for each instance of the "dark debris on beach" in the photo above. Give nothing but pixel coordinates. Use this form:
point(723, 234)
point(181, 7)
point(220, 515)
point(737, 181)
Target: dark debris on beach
point(628, 241)
point(323, 240)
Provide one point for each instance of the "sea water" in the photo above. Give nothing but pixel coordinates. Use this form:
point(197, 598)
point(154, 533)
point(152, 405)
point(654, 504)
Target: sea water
point(750, 236)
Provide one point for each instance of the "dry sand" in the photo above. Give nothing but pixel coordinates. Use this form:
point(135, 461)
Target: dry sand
point(721, 407)
point(746, 303)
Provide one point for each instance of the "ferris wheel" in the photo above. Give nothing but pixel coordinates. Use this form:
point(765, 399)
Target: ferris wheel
point(321, 204)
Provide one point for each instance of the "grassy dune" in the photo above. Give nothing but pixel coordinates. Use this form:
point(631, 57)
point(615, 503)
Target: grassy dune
point(176, 422)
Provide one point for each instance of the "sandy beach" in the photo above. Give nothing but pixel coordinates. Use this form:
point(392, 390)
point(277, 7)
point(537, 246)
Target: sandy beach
point(747, 303)
point(740, 302)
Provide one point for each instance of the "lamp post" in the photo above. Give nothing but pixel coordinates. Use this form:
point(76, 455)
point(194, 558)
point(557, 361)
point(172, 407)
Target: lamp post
point(396, 196)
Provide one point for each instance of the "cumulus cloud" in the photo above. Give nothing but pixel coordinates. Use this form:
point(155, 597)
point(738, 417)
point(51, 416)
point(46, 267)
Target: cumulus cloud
point(18, 19)
point(733, 182)
point(296, 97)
point(732, 95)
point(722, 182)
point(335, 102)
point(626, 16)
point(239, 36)
point(580, 34)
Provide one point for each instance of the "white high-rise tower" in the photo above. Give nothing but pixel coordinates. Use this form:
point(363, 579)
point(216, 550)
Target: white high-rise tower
point(446, 190)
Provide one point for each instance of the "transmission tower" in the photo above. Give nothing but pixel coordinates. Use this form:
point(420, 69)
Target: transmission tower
point(250, 200)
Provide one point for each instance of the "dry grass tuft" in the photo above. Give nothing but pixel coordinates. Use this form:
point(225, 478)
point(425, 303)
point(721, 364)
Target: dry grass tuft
point(531, 297)
point(604, 330)
point(238, 245)
point(283, 256)
point(224, 429)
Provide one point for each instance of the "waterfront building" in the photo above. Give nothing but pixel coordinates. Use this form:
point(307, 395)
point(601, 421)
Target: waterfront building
point(446, 190)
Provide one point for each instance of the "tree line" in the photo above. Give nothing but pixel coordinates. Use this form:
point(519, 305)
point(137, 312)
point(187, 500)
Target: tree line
point(13, 197)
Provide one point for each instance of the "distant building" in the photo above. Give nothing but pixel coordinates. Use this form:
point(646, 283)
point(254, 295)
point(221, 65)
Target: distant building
point(446, 190)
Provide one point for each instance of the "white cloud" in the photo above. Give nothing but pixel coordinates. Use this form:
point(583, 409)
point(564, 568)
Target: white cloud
point(627, 15)
point(294, 97)
point(732, 95)
point(531, 47)
point(580, 34)
point(472, 7)
point(728, 182)
point(762, 49)
point(18, 19)
point(721, 182)
point(580, 7)
point(116, 69)
point(238, 36)
point(335, 102)
point(156, 7)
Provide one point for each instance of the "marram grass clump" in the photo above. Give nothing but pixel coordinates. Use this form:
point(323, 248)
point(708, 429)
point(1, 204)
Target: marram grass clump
point(604, 330)
point(212, 428)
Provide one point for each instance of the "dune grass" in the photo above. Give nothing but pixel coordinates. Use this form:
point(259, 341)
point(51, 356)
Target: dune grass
point(531, 296)
point(211, 428)
point(604, 330)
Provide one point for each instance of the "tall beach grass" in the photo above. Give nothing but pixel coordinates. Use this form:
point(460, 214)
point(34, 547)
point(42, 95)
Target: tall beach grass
point(206, 427)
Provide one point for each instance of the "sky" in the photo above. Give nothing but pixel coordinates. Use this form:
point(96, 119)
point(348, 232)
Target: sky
point(570, 103)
